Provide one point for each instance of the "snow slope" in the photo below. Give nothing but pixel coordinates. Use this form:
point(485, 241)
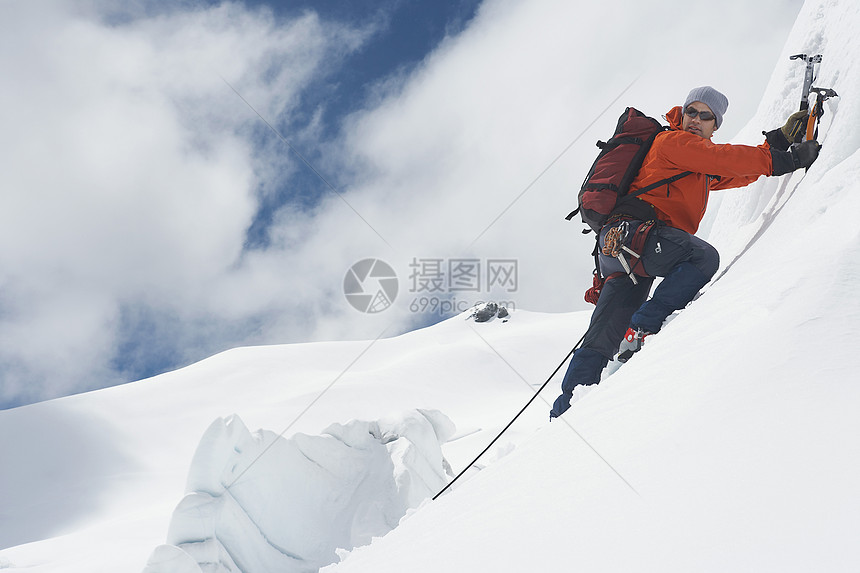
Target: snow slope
point(91, 482)
point(736, 432)
point(728, 444)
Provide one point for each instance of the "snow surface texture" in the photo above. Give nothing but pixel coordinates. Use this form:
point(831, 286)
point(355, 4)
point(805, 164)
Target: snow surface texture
point(264, 503)
point(728, 444)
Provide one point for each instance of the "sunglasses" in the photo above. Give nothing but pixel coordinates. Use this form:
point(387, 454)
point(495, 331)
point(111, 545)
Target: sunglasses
point(703, 115)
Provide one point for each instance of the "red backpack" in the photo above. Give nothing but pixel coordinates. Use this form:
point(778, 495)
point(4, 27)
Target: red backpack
point(607, 184)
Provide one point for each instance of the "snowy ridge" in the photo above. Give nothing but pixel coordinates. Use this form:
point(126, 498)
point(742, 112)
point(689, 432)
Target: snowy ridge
point(260, 503)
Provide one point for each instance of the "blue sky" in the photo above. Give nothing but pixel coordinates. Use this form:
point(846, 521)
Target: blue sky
point(406, 31)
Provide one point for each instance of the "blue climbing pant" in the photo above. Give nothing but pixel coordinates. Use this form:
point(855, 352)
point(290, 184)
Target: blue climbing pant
point(685, 261)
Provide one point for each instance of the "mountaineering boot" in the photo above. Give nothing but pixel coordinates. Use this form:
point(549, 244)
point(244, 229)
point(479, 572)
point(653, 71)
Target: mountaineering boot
point(584, 370)
point(634, 339)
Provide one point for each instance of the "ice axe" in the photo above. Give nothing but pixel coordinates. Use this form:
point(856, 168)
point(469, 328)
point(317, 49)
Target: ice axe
point(822, 94)
point(809, 77)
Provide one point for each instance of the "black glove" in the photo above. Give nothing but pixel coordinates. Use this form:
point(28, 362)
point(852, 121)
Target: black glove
point(792, 132)
point(798, 155)
point(804, 154)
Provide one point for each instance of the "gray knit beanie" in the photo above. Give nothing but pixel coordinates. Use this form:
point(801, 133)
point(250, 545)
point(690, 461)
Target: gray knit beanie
point(711, 98)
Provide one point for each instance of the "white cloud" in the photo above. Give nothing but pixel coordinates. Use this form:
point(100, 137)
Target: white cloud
point(466, 134)
point(131, 170)
point(134, 171)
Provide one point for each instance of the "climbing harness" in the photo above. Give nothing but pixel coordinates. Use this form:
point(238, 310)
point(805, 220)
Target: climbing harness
point(613, 246)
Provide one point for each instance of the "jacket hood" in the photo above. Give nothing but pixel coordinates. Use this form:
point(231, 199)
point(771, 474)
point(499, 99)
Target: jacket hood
point(674, 116)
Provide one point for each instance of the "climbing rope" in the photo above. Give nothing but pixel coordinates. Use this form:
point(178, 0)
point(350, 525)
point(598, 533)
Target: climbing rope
point(514, 419)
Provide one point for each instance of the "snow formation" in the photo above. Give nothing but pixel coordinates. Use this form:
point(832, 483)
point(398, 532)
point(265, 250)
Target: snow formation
point(260, 503)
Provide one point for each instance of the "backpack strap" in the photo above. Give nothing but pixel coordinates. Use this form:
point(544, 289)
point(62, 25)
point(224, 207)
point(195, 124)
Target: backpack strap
point(666, 181)
point(630, 196)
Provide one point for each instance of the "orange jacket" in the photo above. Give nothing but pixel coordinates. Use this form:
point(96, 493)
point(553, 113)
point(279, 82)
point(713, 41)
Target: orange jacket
point(715, 166)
